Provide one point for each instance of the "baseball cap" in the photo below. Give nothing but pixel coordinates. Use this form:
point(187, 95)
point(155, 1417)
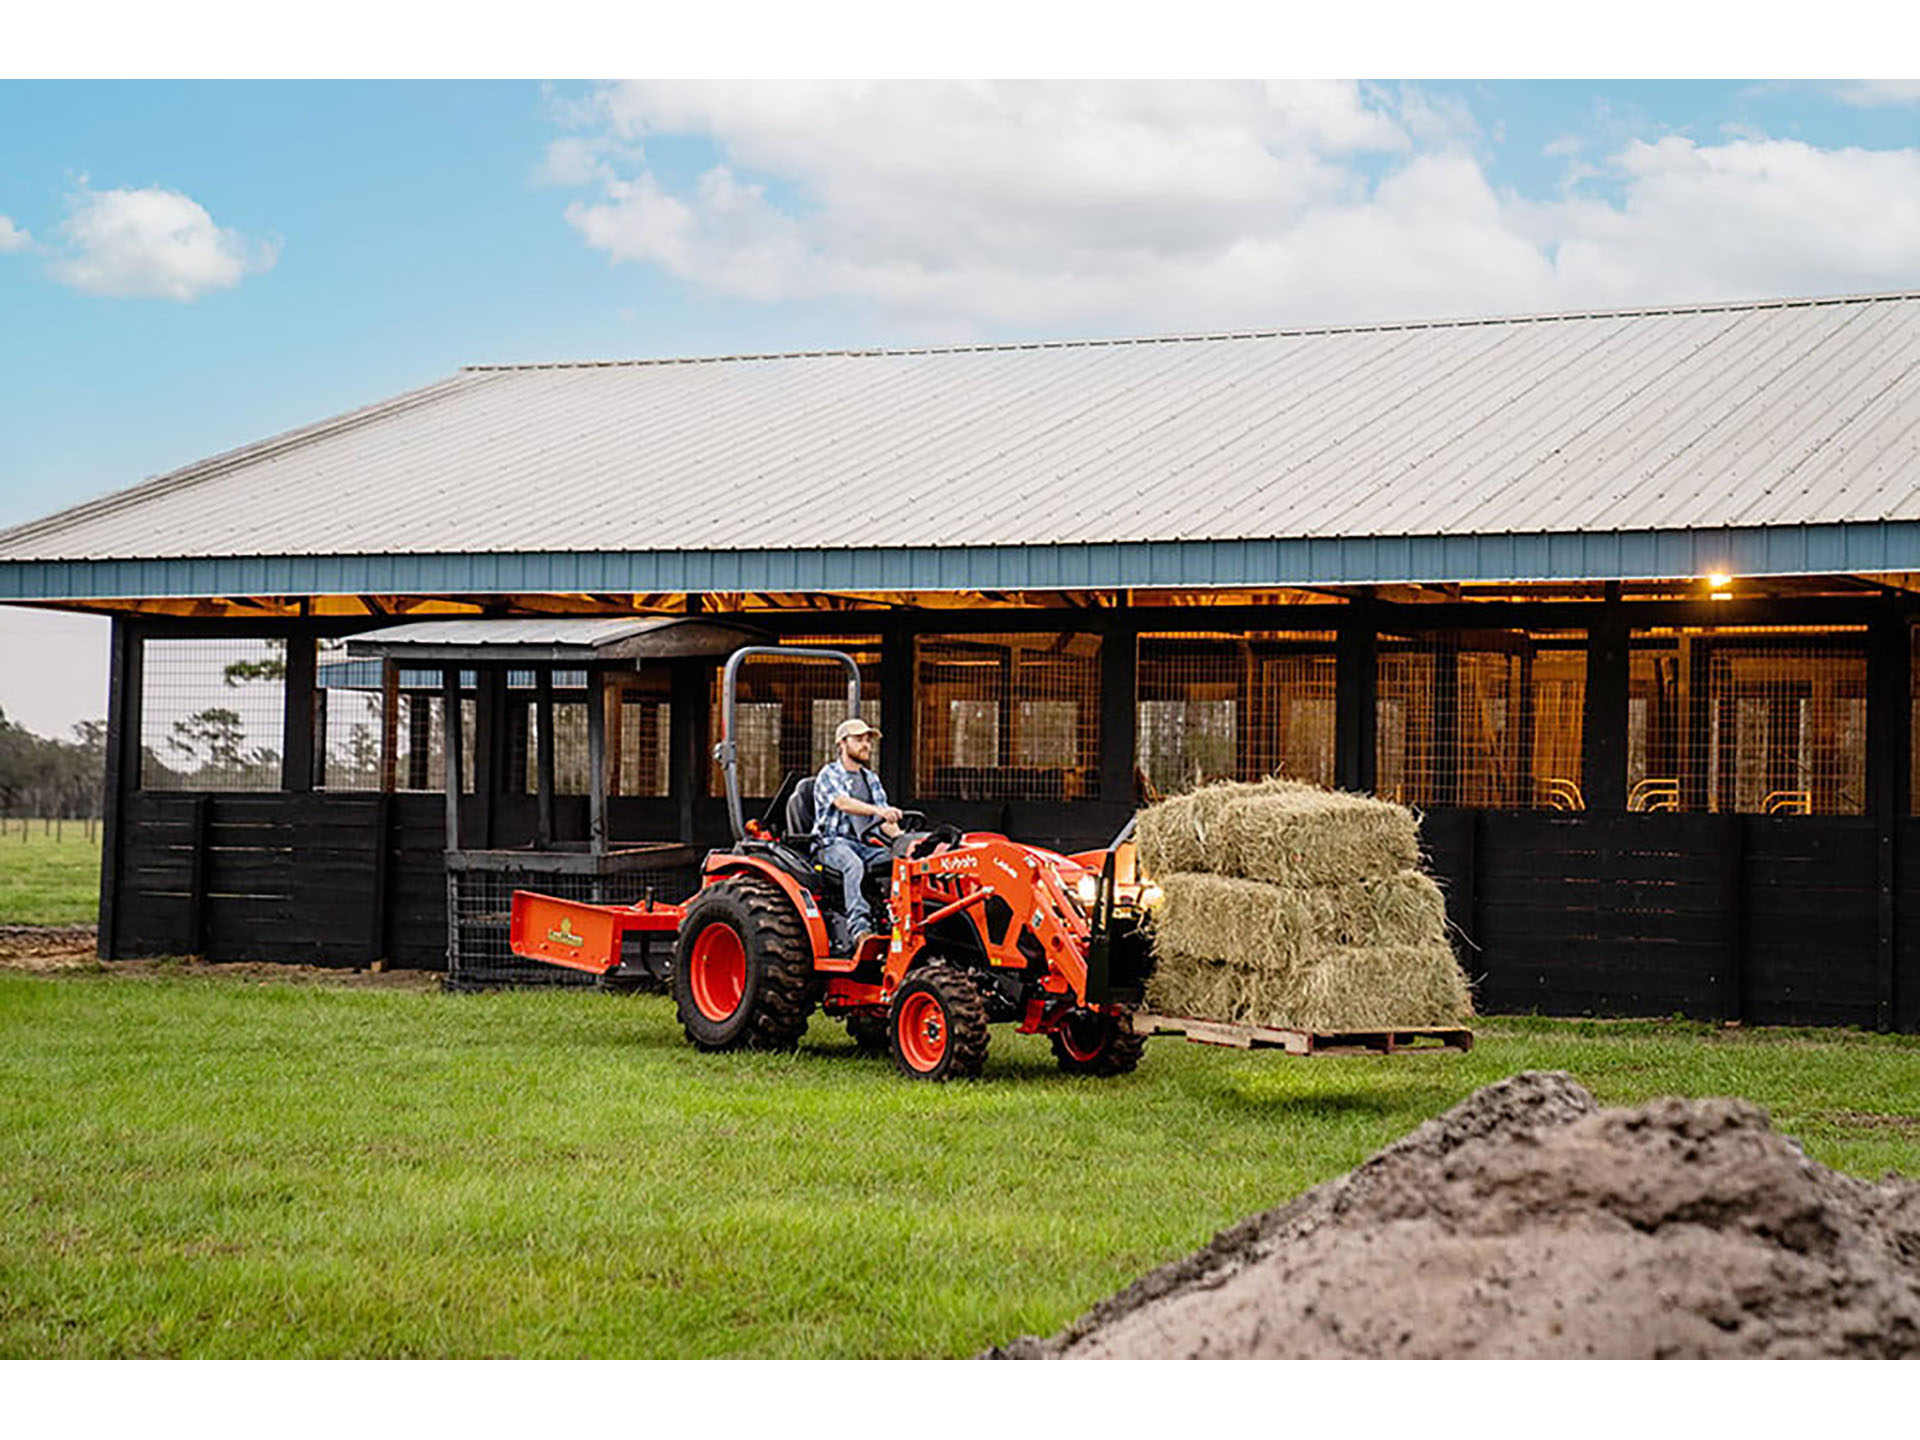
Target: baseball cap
point(852, 727)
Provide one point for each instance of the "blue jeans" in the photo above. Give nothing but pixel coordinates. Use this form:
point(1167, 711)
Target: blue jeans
point(852, 863)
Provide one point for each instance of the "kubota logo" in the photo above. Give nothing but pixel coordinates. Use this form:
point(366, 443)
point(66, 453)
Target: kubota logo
point(959, 862)
point(565, 936)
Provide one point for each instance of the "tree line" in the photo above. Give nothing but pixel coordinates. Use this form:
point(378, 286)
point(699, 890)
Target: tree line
point(56, 779)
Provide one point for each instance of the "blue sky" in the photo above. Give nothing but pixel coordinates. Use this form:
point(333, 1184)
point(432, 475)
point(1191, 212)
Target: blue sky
point(186, 267)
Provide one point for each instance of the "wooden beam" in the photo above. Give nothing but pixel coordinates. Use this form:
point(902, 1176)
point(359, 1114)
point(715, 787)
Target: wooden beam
point(299, 756)
point(543, 756)
point(1603, 779)
point(122, 767)
point(1355, 687)
point(1889, 793)
point(597, 692)
point(455, 756)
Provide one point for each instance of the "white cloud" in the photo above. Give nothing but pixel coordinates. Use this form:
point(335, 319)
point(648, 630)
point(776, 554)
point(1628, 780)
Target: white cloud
point(12, 237)
point(1745, 218)
point(152, 243)
point(956, 208)
point(1867, 93)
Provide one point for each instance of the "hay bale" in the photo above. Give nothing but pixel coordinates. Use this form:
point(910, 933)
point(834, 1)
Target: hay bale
point(1284, 831)
point(1298, 907)
point(1345, 987)
point(1367, 954)
point(1273, 927)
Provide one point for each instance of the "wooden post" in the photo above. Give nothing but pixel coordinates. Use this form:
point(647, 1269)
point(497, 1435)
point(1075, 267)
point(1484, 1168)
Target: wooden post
point(1119, 660)
point(543, 759)
point(122, 769)
point(1355, 687)
point(597, 691)
point(456, 746)
point(298, 754)
point(1696, 724)
point(1604, 727)
point(687, 773)
point(897, 701)
point(382, 881)
point(389, 724)
point(197, 881)
point(489, 749)
point(1889, 791)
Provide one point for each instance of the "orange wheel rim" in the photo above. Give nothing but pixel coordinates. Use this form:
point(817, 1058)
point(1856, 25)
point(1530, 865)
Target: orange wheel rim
point(923, 1031)
point(717, 971)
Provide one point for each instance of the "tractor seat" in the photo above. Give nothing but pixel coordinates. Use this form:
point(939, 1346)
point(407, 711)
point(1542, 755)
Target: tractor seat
point(800, 815)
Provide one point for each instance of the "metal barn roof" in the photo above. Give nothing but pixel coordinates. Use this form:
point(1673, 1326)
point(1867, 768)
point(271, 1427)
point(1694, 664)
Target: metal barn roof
point(1773, 436)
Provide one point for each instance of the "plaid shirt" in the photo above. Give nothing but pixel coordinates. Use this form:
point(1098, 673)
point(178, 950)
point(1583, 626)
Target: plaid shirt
point(830, 822)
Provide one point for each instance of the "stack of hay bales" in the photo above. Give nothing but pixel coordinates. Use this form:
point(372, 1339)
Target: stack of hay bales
point(1298, 907)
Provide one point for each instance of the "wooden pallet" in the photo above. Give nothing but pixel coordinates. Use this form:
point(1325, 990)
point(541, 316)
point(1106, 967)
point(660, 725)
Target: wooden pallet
point(1305, 1042)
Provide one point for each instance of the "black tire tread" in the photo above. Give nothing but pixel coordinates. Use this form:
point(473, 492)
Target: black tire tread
point(788, 989)
point(966, 1006)
point(1120, 1055)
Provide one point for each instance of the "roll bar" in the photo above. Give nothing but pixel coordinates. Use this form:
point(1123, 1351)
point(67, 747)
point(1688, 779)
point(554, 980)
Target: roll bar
point(726, 754)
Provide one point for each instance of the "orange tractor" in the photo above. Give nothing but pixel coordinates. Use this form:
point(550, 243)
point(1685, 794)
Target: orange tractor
point(980, 929)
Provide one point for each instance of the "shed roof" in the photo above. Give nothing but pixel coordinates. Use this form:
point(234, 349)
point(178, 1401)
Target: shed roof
point(556, 640)
point(1566, 446)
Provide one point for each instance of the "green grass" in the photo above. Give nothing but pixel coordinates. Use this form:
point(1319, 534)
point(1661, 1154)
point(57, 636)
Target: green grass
point(49, 879)
point(211, 1167)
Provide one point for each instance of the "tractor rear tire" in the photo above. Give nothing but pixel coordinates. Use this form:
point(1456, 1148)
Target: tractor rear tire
point(870, 1033)
point(1089, 1043)
point(743, 974)
point(937, 1026)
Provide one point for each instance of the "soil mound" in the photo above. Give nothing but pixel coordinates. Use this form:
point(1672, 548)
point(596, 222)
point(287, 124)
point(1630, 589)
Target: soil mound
point(1528, 1222)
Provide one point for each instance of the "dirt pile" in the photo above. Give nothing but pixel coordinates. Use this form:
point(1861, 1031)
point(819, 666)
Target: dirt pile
point(1527, 1222)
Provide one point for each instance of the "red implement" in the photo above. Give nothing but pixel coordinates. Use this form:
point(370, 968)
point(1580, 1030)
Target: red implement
point(581, 936)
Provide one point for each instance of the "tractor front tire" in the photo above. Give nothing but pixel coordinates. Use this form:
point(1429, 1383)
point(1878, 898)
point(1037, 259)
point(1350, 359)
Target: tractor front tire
point(743, 974)
point(938, 1024)
point(1089, 1043)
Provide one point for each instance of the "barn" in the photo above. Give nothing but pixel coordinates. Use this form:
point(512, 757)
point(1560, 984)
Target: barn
point(1623, 602)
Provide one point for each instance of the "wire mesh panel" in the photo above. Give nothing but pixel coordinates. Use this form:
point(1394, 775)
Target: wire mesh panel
point(349, 719)
point(420, 731)
point(1748, 720)
point(572, 758)
point(1483, 719)
point(1218, 706)
point(1007, 717)
point(786, 709)
point(640, 736)
point(212, 714)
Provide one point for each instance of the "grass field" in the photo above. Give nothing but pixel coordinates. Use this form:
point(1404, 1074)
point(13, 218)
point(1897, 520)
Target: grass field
point(220, 1167)
point(49, 879)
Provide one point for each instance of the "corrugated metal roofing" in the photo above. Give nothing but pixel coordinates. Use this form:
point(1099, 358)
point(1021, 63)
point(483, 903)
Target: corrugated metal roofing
point(1715, 418)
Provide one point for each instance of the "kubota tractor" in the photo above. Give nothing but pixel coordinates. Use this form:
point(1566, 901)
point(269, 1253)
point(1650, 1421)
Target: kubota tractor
point(979, 930)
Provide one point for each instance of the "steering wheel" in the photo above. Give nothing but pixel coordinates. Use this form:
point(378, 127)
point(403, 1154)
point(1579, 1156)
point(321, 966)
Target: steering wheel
point(917, 841)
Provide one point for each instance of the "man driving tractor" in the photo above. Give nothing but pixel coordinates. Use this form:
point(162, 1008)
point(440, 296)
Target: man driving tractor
point(852, 823)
